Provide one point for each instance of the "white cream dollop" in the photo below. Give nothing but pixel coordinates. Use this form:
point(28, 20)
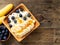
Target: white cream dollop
point(18, 26)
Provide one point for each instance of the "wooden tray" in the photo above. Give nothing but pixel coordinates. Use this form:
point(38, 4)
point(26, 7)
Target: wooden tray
point(7, 25)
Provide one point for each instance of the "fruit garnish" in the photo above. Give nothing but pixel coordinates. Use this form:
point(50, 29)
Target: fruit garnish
point(21, 9)
point(17, 11)
point(24, 18)
point(15, 21)
point(12, 17)
point(20, 15)
point(10, 25)
point(28, 15)
point(20, 21)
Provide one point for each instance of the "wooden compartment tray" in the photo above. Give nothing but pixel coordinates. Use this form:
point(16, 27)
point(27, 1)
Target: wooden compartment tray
point(26, 9)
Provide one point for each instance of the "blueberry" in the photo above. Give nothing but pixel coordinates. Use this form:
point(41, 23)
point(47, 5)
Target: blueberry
point(5, 34)
point(24, 18)
point(0, 32)
point(21, 9)
point(4, 37)
point(10, 25)
point(17, 11)
point(3, 31)
point(15, 21)
point(20, 15)
point(1, 35)
point(9, 21)
point(12, 17)
point(6, 31)
point(28, 15)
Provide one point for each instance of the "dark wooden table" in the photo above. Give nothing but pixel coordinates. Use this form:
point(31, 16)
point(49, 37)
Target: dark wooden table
point(47, 13)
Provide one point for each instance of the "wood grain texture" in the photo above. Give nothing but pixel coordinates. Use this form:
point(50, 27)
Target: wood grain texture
point(48, 13)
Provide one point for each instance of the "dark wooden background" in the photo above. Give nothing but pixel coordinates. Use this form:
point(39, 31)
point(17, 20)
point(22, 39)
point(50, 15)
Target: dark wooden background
point(47, 13)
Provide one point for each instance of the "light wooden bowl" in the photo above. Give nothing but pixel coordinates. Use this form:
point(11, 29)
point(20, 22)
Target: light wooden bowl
point(26, 9)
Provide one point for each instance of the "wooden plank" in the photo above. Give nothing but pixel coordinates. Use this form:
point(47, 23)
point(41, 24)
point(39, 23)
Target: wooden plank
point(50, 22)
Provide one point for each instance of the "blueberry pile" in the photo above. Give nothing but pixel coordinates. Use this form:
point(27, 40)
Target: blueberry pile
point(4, 33)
